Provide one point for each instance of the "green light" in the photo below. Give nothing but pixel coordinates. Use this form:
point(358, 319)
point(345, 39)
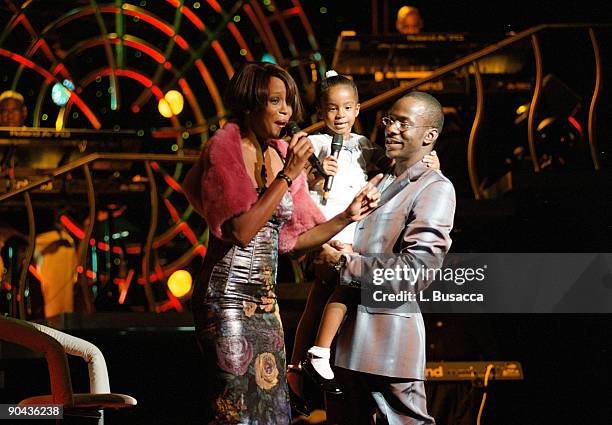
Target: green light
point(140, 133)
point(196, 5)
point(110, 90)
point(266, 2)
point(317, 56)
point(9, 296)
point(94, 260)
point(213, 127)
point(185, 135)
point(117, 261)
point(323, 10)
point(174, 147)
point(98, 79)
point(143, 3)
point(98, 93)
point(45, 117)
point(243, 52)
point(138, 54)
point(237, 18)
point(75, 115)
point(26, 293)
point(136, 19)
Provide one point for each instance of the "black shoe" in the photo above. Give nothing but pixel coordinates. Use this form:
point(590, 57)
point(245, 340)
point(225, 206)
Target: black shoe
point(298, 404)
point(329, 386)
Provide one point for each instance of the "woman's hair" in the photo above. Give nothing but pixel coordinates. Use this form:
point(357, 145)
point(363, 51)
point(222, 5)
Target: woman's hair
point(333, 79)
point(247, 91)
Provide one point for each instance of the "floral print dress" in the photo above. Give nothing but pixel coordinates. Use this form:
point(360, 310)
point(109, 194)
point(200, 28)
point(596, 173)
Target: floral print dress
point(239, 330)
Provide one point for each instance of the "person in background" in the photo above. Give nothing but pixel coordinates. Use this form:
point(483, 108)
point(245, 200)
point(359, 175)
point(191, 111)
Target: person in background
point(409, 20)
point(13, 111)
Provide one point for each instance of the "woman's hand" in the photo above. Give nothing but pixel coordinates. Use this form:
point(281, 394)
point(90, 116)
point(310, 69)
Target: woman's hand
point(432, 161)
point(298, 153)
point(365, 201)
point(330, 165)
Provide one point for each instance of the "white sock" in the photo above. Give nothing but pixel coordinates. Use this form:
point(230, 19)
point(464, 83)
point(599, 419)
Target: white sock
point(319, 358)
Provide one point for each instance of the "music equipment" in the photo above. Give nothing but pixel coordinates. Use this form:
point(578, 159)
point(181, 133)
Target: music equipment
point(471, 371)
point(379, 63)
point(41, 149)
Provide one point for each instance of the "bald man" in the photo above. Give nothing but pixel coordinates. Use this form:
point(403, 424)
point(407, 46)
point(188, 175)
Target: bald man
point(380, 348)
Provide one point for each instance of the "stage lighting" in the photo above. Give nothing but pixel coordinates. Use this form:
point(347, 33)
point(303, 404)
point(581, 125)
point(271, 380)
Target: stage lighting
point(172, 104)
point(179, 283)
point(59, 94)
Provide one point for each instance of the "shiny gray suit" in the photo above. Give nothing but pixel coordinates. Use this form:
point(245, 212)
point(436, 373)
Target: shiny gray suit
point(413, 222)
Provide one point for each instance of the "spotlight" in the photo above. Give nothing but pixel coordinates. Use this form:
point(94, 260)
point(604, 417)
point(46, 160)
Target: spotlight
point(179, 283)
point(172, 104)
point(59, 94)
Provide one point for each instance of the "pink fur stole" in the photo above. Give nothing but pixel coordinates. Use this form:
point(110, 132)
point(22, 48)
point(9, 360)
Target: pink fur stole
point(219, 188)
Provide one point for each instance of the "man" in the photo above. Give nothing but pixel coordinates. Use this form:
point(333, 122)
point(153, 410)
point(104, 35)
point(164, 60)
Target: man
point(408, 20)
point(380, 350)
point(13, 111)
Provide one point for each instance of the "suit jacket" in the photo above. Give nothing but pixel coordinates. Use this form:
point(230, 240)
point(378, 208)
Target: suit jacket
point(411, 228)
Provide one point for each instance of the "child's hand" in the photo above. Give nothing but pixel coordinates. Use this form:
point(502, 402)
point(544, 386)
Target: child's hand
point(432, 161)
point(330, 165)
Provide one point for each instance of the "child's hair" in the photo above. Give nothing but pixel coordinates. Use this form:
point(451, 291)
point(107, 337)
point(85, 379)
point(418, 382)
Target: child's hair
point(332, 79)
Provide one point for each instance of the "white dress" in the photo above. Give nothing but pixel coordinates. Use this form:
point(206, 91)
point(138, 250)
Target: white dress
point(350, 178)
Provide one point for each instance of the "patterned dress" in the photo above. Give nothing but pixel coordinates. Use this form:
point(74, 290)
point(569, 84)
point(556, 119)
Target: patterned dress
point(239, 329)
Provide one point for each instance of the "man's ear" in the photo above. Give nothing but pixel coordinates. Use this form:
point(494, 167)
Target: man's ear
point(431, 135)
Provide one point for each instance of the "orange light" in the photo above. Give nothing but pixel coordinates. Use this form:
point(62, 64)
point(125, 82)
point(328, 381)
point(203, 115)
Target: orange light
point(179, 283)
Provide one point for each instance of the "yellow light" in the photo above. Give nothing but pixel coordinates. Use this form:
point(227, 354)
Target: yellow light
point(522, 109)
point(59, 122)
point(179, 283)
point(171, 104)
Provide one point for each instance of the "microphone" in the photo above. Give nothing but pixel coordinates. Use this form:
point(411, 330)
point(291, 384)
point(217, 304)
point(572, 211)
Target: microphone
point(293, 128)
point(336, 147)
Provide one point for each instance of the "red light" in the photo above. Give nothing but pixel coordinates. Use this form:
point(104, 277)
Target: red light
point(72, 228)
point(181, 42)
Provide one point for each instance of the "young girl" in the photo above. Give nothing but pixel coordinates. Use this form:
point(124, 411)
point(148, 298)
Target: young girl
point(338, 108)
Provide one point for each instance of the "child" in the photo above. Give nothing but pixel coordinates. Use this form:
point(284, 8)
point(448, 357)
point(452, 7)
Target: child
point(338, 108)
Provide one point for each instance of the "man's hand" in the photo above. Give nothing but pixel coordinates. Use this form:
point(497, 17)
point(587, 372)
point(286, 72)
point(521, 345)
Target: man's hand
point(341, 246)
point(328, 255)
point(365, 201)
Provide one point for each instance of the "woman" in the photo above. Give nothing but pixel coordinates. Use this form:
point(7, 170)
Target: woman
point(240, 186)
